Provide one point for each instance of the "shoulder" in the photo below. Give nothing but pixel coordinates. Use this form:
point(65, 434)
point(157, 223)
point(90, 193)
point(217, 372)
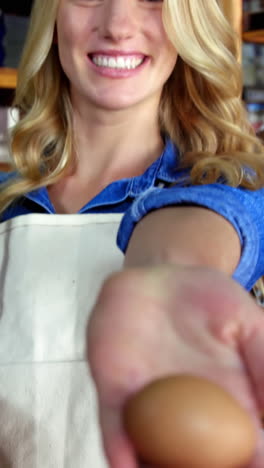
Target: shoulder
point(168, 170)
point(16, 208)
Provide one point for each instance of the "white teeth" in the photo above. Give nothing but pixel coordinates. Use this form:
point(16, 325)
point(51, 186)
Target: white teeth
point(128, 63)
point(112, 62)
point(125, 63)
point(120, 62)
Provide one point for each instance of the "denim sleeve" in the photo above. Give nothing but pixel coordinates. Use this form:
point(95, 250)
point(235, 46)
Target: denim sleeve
point(244, 209)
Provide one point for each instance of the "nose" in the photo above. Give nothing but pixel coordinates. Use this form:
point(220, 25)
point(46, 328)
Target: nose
point(119, 19)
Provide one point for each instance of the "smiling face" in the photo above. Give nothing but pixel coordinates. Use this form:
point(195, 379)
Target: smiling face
point(115, 53)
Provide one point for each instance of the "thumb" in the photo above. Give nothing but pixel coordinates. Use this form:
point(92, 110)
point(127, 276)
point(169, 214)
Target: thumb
point(252, 350)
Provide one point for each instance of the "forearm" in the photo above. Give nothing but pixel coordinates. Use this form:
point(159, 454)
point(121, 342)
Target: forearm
point(186, 235)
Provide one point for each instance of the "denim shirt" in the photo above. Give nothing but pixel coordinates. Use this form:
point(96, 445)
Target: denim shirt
point(164, 184)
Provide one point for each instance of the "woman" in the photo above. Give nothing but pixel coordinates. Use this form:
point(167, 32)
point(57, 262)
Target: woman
point(134, 107)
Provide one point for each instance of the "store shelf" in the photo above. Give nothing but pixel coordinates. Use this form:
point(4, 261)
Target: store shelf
point(254, 36)
point(17, 7)
point(253, 94)
point(261, 134)
point(5, 167)
point(8, 78)
point(253, 27)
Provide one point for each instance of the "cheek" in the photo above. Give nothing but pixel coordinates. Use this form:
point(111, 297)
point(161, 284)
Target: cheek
point(69, 28)
point(172, 58)
point(63, 33)
point(168, 57)
point(66, 40)
point(167, 52)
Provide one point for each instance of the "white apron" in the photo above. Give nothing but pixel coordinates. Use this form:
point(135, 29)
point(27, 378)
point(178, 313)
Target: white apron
point(52, 267)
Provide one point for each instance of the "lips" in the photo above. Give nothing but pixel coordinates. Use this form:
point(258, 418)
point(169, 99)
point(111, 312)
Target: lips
point(117, 53)
point(117, 64)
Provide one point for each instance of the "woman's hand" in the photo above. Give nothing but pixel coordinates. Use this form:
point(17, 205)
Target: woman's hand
point(150, 322)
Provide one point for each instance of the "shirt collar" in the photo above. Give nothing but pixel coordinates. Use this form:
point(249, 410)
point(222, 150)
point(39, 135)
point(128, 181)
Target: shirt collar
point(163, 169)
point(170, 162)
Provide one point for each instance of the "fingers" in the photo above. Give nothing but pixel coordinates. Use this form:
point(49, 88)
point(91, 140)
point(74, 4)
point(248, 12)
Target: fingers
point(252, 346)
point(258, 461)
point(251, 349)
point(118, 449)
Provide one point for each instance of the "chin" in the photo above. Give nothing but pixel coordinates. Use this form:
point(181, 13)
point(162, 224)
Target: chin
point(117, 104)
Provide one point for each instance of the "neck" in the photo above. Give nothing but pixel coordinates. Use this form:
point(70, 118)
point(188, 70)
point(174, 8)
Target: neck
point(115, 144)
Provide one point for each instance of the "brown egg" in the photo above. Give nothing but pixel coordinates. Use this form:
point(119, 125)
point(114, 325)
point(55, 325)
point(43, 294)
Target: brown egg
point(189, 422)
